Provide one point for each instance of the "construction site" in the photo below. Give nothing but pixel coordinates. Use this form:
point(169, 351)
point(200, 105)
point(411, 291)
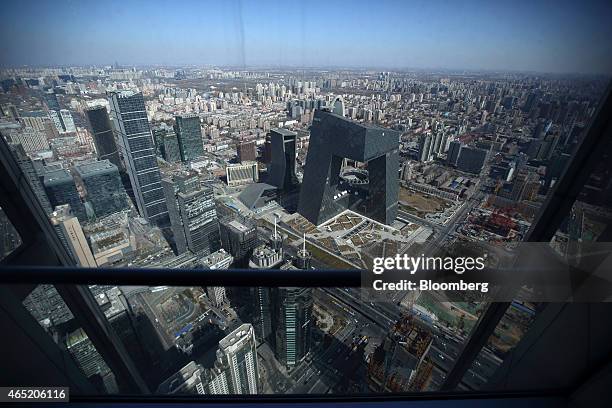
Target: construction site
point(399, 363)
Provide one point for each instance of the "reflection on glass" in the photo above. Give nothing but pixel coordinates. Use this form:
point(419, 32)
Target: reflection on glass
point(280, 165)
point(48, 308)
point(9, 237)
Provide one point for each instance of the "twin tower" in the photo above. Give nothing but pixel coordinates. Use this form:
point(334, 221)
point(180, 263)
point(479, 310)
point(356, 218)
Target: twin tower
point(325, 192)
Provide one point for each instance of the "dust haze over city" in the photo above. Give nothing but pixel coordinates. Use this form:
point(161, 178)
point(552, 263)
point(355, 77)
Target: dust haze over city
point(293, 136)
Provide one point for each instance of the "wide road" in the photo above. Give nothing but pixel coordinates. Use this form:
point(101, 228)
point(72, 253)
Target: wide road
point(445, 347)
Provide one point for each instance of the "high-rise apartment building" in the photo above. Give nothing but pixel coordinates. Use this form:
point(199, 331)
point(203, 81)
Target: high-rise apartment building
point(217, 260)
point(102, 131)
point(425, 147)
point(61, 189)
point(36, 130)
point(189, 134)
point(102, 182)
point(193, 217)
point(136, 143)
point(237, 356)
point(452, 155)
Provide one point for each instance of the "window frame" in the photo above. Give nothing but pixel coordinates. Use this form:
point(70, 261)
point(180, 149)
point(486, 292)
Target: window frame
point(19, 202)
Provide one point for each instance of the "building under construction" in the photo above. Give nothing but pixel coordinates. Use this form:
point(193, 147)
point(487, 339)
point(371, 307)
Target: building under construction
point(399, 363)
point(498, 222)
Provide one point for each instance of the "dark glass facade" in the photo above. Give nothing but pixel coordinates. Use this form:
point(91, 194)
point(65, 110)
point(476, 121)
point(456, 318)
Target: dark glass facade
point(189, 136)
point(292, 325)
point(281, 173)
point(61, 189)
point(334, 138)
point(238, 237)
point(102, 182)
point(136, 142)
point(103, 137)
point(193, 216)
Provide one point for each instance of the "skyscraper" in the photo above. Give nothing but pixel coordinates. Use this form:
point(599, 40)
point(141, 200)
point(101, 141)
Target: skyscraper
point(333, 138)
point(281, 172)
point(9, 237)
point(90, 361)
point(193, 217)
point(425, 147)
point(170, 148)
point(61, 189)
point(262, 315)
point(237, 356)
point(217, 260)
point(338, 107)
point(167, 143)
point(72, 237)
point(292, 324)
point(189, 136)
point(103, 136)
point(239, 238)
point(103, 185)
point(454, 148)
point(136, 143)
point(27, 167)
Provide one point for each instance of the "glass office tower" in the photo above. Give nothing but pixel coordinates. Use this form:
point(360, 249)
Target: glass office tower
point(61, 189)
point(103, 137)
point(189, 136)
point(136, 143)
point(102, 182)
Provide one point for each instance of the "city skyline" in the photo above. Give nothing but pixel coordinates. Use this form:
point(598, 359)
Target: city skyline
point(192, 169)
point(559, 37)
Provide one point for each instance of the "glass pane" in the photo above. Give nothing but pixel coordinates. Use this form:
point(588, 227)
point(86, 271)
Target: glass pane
point(283, 340)
point(589, 220)
point(49, 309)
point(242, 154)
point(9, 237)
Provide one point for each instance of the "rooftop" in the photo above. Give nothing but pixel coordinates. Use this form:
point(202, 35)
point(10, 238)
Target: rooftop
point(95, 167)
point(283, 131)
point(57, 176)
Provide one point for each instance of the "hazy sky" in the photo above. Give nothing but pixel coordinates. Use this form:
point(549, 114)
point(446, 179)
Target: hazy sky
point(534, 35)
